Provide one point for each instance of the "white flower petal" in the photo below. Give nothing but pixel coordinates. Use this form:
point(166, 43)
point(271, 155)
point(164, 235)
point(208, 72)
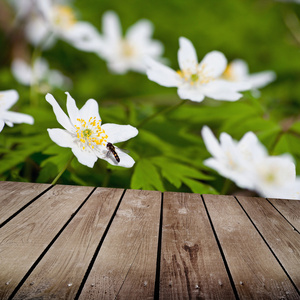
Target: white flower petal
point(111, 26)
point(72, 109)
point(227, 142)
point(61, 117)
point(84, 36)
point(44, 7)
point(8, 99)
point(119, 133)
point(191, 93)
point(119, 66)
point(261, 79)
point(236, 86)
point(126, 160)
point(2, 123)
point(15, 117)
point(142, 29)
point(214, 63)
point(85, 157)
point(251, 148)
point(61, 137)
point(90, 109)
point(154, 49)
point(273, 175)
point(238, 177)
point(239, 69)
point(21, 71)
point(224, 95)
point(211, 143)
point(38, 31)
point(187, 56)
point(161, 74)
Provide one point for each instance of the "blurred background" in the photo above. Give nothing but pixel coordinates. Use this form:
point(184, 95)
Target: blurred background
point(169, 150)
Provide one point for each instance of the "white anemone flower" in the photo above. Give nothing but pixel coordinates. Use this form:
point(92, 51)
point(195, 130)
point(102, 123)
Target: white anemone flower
point(126, 53)
point(275, 177)
point(88, 139)
point(196, 80)
point(47, 20)
point(238, 71)
point(7, 100)
point(40, 74)
point(248, 164)
point(233, 159)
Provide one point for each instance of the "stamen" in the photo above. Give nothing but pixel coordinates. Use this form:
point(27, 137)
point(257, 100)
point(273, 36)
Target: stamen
point(63, 16)
point(195, 78)
point(90, 133)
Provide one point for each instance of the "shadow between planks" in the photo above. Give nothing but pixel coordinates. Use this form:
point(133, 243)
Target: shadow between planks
point(75, 242)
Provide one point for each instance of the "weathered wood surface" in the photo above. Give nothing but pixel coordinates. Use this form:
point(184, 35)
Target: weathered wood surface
point(126, 265)
point(70, 242)
point(12, 199)
point(254, 269)
point(191, 263)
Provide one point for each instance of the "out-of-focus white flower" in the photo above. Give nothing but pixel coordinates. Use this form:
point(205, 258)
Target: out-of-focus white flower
point(47, 20)
point(233, 159)
point(238, 71)
point(275, 177)
point(196, 80)
point(248, 165)
point(88, 139)
point(7, 100)
point(126, 53)
point(39, 75)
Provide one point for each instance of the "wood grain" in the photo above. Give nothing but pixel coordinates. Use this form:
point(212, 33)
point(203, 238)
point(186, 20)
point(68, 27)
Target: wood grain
point(125, 267)
point(255, 271)
point(279, 234)
point(14, 195)
point(25, 237)
point(290, 209)
point(191, 263)
point(61, 271)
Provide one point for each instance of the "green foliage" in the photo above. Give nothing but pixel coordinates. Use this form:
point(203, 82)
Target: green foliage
point(169, 151)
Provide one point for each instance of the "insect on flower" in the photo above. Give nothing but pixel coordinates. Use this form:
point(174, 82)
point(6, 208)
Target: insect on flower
point(111, 149)
point(85, 134)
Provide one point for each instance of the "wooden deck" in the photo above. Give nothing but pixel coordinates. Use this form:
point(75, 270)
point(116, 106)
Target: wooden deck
point(71, 242)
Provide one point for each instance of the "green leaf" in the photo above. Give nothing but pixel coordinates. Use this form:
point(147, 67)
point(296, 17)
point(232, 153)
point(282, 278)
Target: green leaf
point(296, 127)
point(177, 173)
point(199, 187)
point(146, 176)
point(25, 147)
point(52, 165)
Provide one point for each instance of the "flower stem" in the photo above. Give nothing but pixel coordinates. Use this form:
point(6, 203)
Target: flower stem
point(63, 170)
point(226, 186)
point(162, 111)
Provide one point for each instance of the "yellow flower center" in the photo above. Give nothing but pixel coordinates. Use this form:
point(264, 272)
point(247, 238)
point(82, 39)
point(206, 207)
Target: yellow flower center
point(90, 133)
point(270, 177)
point(127, 49)
point(63, 16)
point(197, 77)
point(228, 74)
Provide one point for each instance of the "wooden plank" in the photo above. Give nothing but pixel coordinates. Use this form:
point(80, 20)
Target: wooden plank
point(191, 263)
point(14, 195)
point(25, 237)
point(279, 234)
point(61, 271)
point(125, 267)
point(255, 271)
point(290, 209)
